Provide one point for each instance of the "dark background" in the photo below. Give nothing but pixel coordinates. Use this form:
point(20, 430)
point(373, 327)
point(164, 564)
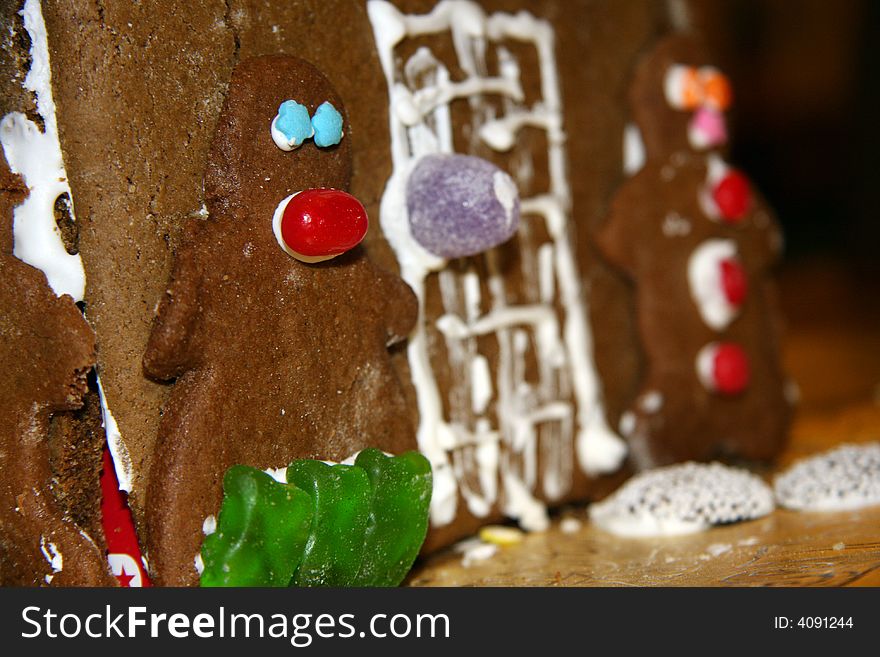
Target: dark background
point(806, 119)
point(805, 126)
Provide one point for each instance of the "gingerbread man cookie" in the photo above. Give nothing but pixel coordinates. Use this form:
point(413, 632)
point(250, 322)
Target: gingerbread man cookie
point(277, 354)
point(697, 240)
point(46, 351)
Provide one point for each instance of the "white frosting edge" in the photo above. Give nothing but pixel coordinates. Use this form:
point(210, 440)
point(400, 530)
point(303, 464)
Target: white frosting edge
point(118, 451)
point(37, 157)
point(705, 365)
point(642, 525)
point(52, 555)
point(705, 282)
point(633, 149)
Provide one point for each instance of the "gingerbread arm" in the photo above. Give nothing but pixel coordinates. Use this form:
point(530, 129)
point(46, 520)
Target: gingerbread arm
point(617, 235)
point(170, 350)
point(762, 241)
point(399, 306)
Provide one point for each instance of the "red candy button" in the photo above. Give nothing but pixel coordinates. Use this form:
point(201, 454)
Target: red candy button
point(319, 224)
point(733, 281)
point(730, 369)
point(732, 196)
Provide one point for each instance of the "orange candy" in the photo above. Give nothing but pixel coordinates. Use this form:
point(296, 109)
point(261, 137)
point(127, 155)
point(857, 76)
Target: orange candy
point(716, 88)
point(691, 87)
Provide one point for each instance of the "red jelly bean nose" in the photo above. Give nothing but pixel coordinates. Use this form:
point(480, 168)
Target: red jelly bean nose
point(732, 196)
point(733, 281)
point(323, 222)
point(730, 369)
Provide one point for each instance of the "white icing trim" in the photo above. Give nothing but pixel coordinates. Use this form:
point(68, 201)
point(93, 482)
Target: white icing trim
point(506, 192)
point(716, 169)
point(651, 401)
point(481, 379)
point(705, 282)
point(36, 156)
point(673, 82)
point(679, 13)
point(278, 474)
point(277, 216)
point(420, 124)
point(121, 458)
point(52, 555)
point(281, 140)
point(633, 149)
point(705, 365)
point(674, 225)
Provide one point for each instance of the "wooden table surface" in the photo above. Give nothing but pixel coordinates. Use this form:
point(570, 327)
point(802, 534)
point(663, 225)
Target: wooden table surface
point(832, 350)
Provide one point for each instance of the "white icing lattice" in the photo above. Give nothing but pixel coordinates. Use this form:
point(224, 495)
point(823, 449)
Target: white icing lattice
point(682, 499)
point(847, 477)
point(463, 441)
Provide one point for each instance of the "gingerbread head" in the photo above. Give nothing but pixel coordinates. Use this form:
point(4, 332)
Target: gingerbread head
point(679, 101)
point(277, 352)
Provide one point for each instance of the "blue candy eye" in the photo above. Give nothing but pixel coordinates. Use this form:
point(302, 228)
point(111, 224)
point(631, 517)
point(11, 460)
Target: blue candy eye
point(327, 125)
point(291, 126)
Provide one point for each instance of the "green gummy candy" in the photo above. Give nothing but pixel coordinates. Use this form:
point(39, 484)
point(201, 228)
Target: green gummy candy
point(262, 529)
point(401, 494)
point(341, 497)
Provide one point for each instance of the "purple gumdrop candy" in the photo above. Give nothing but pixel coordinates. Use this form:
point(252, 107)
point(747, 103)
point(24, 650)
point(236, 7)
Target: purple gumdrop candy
point(460, 205)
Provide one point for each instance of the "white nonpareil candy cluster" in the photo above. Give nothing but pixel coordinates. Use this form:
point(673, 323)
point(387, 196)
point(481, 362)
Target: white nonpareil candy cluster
point(847, 477)
point(682, 499)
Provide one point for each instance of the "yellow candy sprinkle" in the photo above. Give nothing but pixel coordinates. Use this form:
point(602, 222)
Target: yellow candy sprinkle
point(501, 535)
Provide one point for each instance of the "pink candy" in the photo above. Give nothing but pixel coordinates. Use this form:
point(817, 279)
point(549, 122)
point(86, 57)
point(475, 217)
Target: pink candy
point(707, 128)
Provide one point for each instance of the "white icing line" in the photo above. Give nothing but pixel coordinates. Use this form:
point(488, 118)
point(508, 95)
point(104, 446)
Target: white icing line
point(52, 555)
point(717, 168)
point(37, 157)
point(121, 458)
point(481, 380)
point(705, 282)
point(674, 225)
point(651, 401)
point(278, 474)
point(705, 366)
point(500, 134)
point(633, 149)
point(507, 194)
point(209, 526)
point(411, 107)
